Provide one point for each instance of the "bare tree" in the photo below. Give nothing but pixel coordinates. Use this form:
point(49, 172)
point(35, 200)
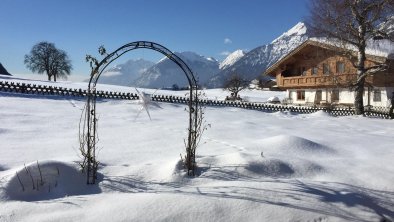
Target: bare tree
point(195, 134)
point(45, 57)
point(235, 84)
point(354, 23)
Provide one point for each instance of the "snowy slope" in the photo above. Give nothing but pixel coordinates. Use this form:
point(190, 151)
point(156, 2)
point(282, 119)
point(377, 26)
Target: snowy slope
point(254, 63)
point(253, 166)
point(166, 73)
point(232, 58)
point(125, 74)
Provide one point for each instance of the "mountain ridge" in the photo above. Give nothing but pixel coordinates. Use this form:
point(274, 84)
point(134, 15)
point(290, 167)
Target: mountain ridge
point(255, 62)
point(209, 72)
point(166, 73)
point(232, 58)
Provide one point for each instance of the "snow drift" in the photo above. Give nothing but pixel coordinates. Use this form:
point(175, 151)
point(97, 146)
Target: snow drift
point(46, 180)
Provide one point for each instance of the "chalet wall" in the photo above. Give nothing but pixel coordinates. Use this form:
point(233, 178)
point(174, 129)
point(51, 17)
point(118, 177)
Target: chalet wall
point(346, 97)
point(315, 57)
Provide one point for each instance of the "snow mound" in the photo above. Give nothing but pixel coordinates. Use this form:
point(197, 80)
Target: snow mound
point(320, 113)
point(294, 146)
point(278, 168)
point(46, 180)
point(237, 158)
point(244, 165)
point(2, 168)
point(273, 99)
point(166, 171)
point(271, 167)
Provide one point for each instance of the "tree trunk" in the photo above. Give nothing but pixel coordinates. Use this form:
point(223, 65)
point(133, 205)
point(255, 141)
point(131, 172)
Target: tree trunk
point(49, 77)
point(54, 78)
point(361, 58)
point(358, 97)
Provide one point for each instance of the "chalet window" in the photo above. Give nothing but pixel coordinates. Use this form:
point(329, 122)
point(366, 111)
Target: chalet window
point(318, 96)
point(314, 71)
point(326, 69)
point(340, 67)
point(335, 95)
point(377, 95)
point(291, 95)
point(300, 95)
point(303, 71)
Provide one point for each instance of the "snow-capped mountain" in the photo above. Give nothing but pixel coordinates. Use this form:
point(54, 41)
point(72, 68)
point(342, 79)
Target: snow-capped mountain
point(125, 74)
point(255, 62)
point(209, 71)
point(166, 73)
point(232, 58)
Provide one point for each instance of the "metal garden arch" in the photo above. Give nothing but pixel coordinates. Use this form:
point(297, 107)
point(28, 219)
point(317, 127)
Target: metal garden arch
point(88, 131)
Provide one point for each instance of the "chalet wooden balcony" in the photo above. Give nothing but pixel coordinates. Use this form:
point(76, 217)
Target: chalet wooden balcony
point(317, 81)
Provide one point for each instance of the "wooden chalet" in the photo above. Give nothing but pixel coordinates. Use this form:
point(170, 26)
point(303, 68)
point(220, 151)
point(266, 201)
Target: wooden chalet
point(320, 73)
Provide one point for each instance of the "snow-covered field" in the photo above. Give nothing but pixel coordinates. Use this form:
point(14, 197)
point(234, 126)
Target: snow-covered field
point(253, 166)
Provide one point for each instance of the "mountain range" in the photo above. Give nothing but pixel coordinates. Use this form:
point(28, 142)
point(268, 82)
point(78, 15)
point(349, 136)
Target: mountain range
point(209, 72)
point(125, 74)
point(166, 73)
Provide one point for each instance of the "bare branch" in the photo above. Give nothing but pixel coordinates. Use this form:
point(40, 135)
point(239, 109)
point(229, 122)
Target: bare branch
point(372, 70)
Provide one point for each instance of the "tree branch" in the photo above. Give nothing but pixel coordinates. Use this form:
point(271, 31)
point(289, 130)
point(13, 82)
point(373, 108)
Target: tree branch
point(372, 70)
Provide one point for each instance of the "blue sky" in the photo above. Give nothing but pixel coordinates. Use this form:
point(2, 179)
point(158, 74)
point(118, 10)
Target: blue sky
point(207, 27)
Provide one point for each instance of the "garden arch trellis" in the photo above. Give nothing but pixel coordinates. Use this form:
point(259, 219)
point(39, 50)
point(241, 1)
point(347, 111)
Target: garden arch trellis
point(88, 130)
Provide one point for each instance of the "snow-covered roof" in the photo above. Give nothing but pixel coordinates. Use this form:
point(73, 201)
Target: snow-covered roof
point(383, 49)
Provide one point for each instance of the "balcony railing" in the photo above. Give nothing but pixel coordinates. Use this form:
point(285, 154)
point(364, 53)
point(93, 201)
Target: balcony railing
point(318, 81)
